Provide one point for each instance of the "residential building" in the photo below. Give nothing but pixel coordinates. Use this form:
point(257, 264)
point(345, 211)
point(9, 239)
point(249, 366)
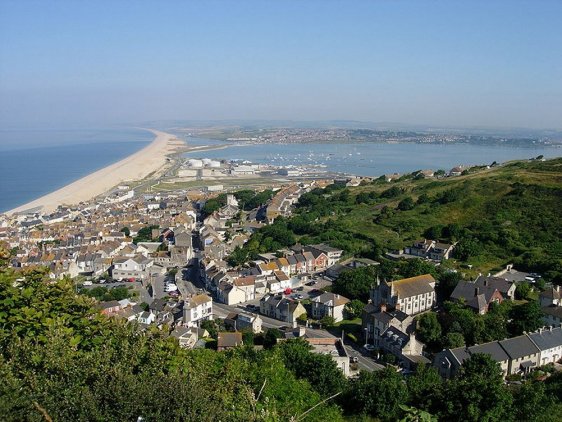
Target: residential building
point(516, 355)
point(244, 320)
point(477, 297)
point(504, 286)
point(196, 309)
point(227, 341)
point(281, 308)
point(411, 295)
point(329, 304)
point(377, 320)
point(523, 354)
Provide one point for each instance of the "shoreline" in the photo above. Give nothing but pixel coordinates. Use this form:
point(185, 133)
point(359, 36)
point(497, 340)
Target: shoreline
point(135, 167)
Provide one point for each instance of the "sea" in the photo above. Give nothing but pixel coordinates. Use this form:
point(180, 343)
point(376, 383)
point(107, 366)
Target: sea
point(367, 159)
point(34, 163)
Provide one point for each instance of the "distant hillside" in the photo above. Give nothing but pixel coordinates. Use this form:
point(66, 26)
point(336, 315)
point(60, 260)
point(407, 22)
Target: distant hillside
point(504, 214)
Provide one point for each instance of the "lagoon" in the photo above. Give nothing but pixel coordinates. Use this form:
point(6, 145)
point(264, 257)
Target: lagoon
point(368, 159)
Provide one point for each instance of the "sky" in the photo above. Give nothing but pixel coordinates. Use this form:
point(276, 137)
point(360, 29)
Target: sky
point(444, 63)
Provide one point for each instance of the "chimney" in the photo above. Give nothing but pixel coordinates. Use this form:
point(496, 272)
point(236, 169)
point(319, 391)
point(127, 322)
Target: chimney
point(485, 282)
point(383, 307)
point(397, 306)
point(476, 291)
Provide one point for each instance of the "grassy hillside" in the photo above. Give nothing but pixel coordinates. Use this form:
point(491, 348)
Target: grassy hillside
point(504, 214)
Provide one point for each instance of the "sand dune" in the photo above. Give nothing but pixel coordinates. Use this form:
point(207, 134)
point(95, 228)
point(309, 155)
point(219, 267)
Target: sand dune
point(135, 167)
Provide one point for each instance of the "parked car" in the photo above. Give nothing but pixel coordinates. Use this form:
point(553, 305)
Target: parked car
point(87, 283)
point(369, 347)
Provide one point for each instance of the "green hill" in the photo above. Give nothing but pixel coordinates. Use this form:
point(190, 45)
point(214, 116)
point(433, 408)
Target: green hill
point(499, 215)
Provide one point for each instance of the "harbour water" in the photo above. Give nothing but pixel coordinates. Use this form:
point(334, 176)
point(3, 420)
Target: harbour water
point(36, 162)
point(368, 159)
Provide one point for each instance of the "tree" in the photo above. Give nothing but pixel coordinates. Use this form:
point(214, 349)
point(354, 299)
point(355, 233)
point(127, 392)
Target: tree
point(212, 327)
point(477, 393)
point(428, 328)
point(466, 248)
point(533, 402)
point(327, 321)
point(423, 198)
point(303, 318)
point(423, 385)
point(356, 283)
point(126, 230)
point(447, 282)
point(526, 317)
point(522, 290)
point(453, 340)
point(392, 192)
point(270, 338)
point(415, 267)
point(406, 204)
point(318, 369)
point(354, 308)
point(378, 394)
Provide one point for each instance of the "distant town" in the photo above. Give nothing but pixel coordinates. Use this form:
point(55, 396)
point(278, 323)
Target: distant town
point(343, 135)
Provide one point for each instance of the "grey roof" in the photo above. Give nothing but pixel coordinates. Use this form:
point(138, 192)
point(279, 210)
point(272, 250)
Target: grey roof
point(493, 349)
point(467, 290)
point(547, 339)
point(519, 346)
point(499, 283)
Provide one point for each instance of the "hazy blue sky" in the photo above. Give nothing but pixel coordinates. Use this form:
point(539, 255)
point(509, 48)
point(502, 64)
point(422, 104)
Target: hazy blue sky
point(448, 63)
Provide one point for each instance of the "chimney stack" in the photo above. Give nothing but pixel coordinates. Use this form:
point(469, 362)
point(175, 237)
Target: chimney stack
point(383, 307)
point(397, 307)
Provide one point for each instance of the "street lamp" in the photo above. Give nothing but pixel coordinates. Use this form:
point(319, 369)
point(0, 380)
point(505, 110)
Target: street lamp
point(366, 336)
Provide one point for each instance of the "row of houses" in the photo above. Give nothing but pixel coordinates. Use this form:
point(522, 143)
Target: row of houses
point(517, 355)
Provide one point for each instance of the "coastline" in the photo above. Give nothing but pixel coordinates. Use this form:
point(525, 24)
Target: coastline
point(136, 166)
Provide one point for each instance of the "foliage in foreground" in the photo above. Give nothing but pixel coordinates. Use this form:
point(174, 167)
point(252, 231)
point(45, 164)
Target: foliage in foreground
point(62, 359)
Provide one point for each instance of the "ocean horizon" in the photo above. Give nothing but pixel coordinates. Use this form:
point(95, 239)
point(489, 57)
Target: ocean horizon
point(37, 162)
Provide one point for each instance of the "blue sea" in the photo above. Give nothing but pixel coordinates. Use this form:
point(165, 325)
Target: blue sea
point(368, 159)
point(36, 162)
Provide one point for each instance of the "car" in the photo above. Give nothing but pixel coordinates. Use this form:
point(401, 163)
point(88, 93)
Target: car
point(300, 289)
point(369, 347)
point(300, 296)
point(310, 283)
point(102, 281)
point(87, 283)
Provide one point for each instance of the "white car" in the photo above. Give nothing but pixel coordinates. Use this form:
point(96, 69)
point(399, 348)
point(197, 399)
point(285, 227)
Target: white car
point(369, 347)
point(87, 283)
point(171, 288)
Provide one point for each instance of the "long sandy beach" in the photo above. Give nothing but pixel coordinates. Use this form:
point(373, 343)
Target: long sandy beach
point(135, 167)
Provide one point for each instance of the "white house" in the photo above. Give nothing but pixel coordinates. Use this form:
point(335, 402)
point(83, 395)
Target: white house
point(549, 342)
point(131, 267)
point(329, 304)
point(197, 308)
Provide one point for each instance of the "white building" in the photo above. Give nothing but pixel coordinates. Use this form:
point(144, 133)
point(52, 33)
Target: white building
point(549, 342)
point(197, 308)
point(410, 295)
